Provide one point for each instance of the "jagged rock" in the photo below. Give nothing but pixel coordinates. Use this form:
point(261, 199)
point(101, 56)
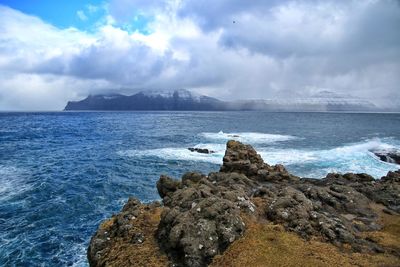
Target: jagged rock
point(241, 158)
point(203, 214)
point(244, 159)
point(336, 213)
point(100, 242)
point(391, 177)
point(128, 227)
point(385, 191)
point(199, 220)
point(166, 185)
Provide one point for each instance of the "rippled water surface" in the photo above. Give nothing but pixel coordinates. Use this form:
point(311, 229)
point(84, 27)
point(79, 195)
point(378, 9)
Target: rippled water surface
point(62, 173)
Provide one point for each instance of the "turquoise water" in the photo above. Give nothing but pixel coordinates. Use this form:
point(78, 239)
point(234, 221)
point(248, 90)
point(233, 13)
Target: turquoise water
point(62, 173)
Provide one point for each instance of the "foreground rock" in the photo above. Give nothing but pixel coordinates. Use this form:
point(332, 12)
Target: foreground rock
point(127, 239)
point(203, 215)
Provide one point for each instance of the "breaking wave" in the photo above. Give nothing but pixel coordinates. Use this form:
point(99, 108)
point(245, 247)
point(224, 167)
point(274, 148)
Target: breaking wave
point(248, 137)
point(177, 154)
point(357, 158)
point(308, 163)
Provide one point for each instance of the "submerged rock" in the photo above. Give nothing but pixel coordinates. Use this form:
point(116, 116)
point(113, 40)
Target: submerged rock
point(390, 156)
point(202, 215)
point(201, 150)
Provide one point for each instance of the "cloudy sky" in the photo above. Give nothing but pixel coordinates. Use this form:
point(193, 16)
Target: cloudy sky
point(55, 51)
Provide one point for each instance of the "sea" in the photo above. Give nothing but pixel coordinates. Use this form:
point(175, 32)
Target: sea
point(62, 173)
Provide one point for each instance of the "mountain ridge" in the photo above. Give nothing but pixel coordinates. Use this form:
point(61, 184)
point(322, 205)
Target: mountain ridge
point(182, 99)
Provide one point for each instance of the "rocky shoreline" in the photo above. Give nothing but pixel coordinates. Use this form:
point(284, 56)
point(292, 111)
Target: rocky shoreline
point(218, 219)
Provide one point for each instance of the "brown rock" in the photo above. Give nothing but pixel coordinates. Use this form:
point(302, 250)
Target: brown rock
point(204, 214)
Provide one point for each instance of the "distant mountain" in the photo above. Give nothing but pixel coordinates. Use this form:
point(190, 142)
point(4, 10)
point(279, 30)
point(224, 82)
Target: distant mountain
point(321, 101)
point(186, 100)
point(148, 100)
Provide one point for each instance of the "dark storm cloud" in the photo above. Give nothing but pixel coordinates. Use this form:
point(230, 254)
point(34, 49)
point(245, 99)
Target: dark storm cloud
point(339, 45)
point(301, 28)
point(131, 65)
point(229, 49)
point(222, 13)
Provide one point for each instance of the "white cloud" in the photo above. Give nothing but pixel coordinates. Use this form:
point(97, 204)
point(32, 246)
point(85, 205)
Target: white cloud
point(81, 15)
point(24, 91)
point(283, 48)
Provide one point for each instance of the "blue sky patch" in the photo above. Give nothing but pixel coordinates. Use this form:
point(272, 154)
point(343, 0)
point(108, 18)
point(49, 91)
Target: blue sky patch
point(62, 14)
point(83, 15)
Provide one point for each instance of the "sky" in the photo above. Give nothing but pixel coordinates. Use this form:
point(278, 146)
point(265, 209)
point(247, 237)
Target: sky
point(55, 51)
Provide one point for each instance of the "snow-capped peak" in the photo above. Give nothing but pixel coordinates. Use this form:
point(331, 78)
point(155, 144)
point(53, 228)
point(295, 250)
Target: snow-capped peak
point(181, 93)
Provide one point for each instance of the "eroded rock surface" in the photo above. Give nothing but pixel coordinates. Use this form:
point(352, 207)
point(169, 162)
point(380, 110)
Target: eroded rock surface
point(127, 238)
point(244, 159)
point(202, 215)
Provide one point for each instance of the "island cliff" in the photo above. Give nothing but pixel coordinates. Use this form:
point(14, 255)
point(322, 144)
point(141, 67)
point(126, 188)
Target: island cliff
point(251, 213)
point(184, 100)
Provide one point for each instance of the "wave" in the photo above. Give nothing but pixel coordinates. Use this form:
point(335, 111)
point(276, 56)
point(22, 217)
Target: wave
point(248, 137)
point(176, 154)
point(356, 158)
point(293, 156)
point(307, 163)
point(11, 182)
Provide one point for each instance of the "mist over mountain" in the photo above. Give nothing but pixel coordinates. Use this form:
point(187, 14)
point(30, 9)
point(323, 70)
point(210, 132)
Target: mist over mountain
point(186, 100)
point(148, 100)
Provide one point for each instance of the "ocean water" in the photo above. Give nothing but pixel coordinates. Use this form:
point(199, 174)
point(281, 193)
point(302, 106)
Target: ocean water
point(62, 173)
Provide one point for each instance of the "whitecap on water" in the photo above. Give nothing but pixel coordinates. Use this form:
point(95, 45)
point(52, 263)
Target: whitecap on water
point(177, 154)
point(217, 145)
point(356, 158)
point(248, 137)
point(11, 182)
point(287, 156)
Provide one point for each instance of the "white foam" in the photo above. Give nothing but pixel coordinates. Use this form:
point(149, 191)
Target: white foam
point(219, 148)
point(177, 154)
point(288, 156)
point(11, 182)
point(80, 260)
point(248, 137)
point(309, 163)
point(293, 156)
point(369, 145)
point(356, 158)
